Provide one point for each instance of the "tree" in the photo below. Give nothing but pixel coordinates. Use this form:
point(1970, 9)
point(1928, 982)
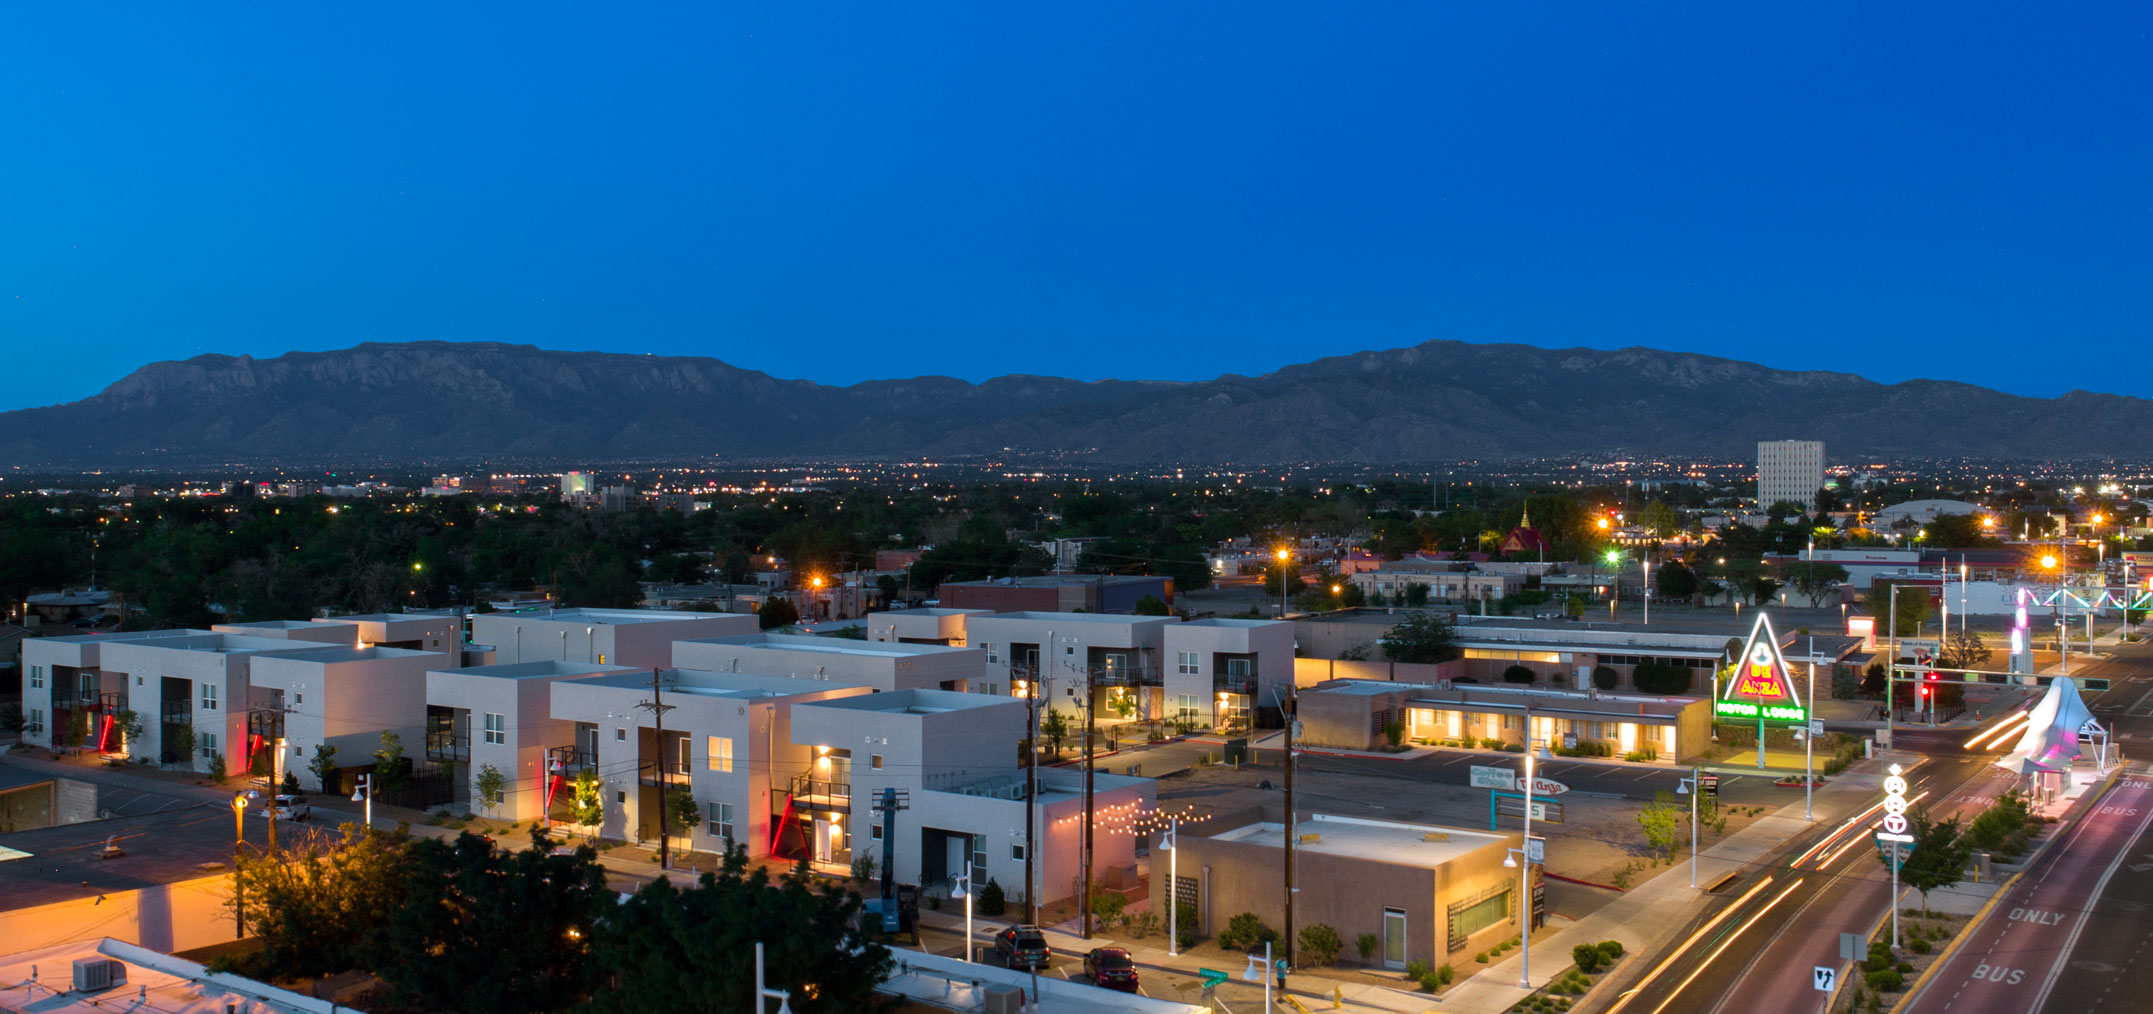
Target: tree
point(129, 724)
point(290, 785)
point(777, 612)
point(682, 811)
point(694, 949)
point(1421, 637)
point(324, 766)
point(1416, 595)
point(1519, 674)
point(1939, 857)
point(1760, 589)
point(499, 932)
point(391, 771)
point(587, 802)
point(1813, 579)
point(1675, 580)
point(1656, 678)
point(314, 904)
point(1271, 574)
point(1604, 677)
point(1913, 607)
point(78, 729)
point(1055, 727)
point(489, 784)
point(1660, 520)
point(992, 901)
point(1964, 650)
point(1574, 606)
point(1150, 605)
point(179, 746)
point(1660, 818)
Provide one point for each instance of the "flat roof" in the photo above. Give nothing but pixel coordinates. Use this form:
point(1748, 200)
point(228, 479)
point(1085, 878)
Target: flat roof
point(274, 625)
point(705, 683)
point(917, 702)
point(386, 617)
point(1057, 581)
point(608, 617)
point(827, 645)
point(1220, 621)
point(542, 668)
point(1374, 840)
point(346, 653)
point(155, 982)
point(1039, 615)
point(931, 611)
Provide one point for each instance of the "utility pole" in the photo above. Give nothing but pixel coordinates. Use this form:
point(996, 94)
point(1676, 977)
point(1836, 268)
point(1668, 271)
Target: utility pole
point(1291, 709)
point(1090, 688)
point(1031, 789)
point(657, 708)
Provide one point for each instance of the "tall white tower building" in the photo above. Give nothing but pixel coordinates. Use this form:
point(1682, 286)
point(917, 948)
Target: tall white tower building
point(1790, 470)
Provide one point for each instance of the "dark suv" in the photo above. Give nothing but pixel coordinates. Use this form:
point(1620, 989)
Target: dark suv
point(1022, 947)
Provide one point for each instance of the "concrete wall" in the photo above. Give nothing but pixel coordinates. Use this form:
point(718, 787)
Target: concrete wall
point(163, 917)
point(347, 699)
point(526, 702)
point(884, 667)
point(573, 637)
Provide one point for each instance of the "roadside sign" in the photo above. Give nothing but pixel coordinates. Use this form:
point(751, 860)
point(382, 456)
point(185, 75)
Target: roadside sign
point(1920, 647)
point(1536, 850)
point(1816, 728)
point(1548, 787)
point(1853, 947)
point(1503, 779)
point(1543, 809)
point(1212, 977)
point(1825, 978)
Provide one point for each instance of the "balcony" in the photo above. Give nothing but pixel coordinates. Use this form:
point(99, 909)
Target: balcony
point(668, 772)
point(1130, 676)
point(822, 793)
point(1234, 684)
point(567, 760)
point(175, 712)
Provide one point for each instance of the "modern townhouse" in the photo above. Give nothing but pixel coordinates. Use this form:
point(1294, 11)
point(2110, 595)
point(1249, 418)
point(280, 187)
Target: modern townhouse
point(65, 676)
point(950, 761)
point(340, 697)
point(1219, 672)
point(194, 692)
point(633, 637)
point(724, 738)
point(1119, 657)
point(881, 665)
point(501, 717)
point(922, 626)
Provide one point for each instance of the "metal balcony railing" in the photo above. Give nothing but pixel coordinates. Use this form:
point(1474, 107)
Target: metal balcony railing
point(808, 786)
point(1130, 676)
point(447, 745)
point(175, 712)
point(1234, 684)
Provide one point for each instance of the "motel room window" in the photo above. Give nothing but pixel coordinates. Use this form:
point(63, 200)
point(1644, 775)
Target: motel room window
point(1185, 662)
point(721, 821)
point(496, 729)
point(1469, 917)
point(209, 697)
point(721, 756)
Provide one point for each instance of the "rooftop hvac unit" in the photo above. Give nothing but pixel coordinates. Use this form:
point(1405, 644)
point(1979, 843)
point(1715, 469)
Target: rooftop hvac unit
point(969, 790)
point(1004, 1000)
point(93, 974)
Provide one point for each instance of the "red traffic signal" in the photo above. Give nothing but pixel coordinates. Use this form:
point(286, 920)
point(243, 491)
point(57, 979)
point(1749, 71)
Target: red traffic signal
point(1924, 692)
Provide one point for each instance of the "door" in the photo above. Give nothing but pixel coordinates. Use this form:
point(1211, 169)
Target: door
point(822, 841)
point(1393, 938)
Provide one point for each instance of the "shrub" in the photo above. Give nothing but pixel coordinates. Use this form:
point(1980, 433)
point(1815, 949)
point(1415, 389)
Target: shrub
point(1645, 754)
point(1513, 748)
point(1587, 957)
point(1610, 950)
point(1481, 957)
point(1367, 943)
point(1886, 980)
point(1245, 931)
point(1415, 968)
point(991, 899)
point(1446, 975)
point(1321, 943)
point(1518, 674)
point(1430, 982)
point(1491, 744)
point(1654, 678)
point(1919, 945)
point(1604, 677)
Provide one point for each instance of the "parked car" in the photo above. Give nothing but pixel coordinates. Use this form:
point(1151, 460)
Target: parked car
point(1112, 968)
point(287, 808)
point(1022, 947)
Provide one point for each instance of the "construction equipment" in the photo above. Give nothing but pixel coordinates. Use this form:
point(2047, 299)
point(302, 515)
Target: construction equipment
point(897, 911)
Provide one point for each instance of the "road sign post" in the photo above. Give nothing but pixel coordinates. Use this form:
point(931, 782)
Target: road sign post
point(1894, 837)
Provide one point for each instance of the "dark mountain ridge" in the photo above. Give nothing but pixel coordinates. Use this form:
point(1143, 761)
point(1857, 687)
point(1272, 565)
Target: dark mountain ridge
point(1438, 401)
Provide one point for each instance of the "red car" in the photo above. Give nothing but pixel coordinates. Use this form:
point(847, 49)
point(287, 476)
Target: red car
point(1110, 967)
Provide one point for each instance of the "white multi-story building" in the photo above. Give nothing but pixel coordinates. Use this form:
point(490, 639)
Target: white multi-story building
point(1218, 670)
point(1791, 470)
point(728, 743)
point(634, 637)
point(340, 697)
point(501, 716)
point(884, 666)
point(1118, 654)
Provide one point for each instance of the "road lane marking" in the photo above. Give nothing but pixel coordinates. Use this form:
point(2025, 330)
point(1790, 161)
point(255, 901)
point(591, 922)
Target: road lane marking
point(2070, 943)
point(1648, 774)
point(1724, 944)
point(1624, 999)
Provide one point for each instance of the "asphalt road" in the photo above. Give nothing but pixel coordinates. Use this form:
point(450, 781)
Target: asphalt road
point(1607, 780)
point(1754, 950)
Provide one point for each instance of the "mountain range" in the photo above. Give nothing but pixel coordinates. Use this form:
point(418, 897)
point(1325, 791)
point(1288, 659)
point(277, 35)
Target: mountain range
point(442, 402)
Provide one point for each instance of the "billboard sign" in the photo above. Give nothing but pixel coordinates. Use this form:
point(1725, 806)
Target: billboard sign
point(1761, 688)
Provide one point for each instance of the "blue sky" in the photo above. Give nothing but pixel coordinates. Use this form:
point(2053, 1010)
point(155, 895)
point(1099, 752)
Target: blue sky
point(1137, 190)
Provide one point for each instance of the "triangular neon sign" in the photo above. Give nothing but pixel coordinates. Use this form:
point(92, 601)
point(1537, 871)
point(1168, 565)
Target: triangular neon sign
point(1761, 673)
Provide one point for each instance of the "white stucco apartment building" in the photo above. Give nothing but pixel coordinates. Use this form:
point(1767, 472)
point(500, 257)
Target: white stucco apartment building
point(881, 665)
point(501, 716)
point(341, 697)
point(633, 637)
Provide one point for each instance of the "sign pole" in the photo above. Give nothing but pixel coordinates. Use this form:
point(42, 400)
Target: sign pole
point(1895, 854)
point(1696, 789)
point(1809, 739)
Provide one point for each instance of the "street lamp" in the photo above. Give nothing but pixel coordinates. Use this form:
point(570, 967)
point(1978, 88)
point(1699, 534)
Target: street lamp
point(239, 841)
point(1525, 884)
point(365, 794)
point(1614, 566)
point(1173, 884)
point(1692, 788)
point(1284, 554)
point(963, 889)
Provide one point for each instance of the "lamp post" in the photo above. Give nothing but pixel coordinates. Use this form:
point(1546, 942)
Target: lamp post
point(239, 883)
point(1284, 554)
point(1525, 869)
point(1692, 788)
point(964, 890)
point(1648, 590)
point(1614, 581)
point(365, 794)
point(1173, 883)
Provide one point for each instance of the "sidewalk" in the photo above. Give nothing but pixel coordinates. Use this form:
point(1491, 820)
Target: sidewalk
point(1647, 917)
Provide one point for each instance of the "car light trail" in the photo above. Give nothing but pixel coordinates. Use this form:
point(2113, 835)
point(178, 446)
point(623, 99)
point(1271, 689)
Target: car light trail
point(1694, 937)
point(2016, 718)
point(1723, 945)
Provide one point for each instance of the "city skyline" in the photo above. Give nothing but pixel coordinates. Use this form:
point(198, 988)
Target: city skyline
point(1179, 194)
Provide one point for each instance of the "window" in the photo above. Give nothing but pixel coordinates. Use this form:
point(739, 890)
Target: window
point(496, 729)
point(1238, 667)
point(620, 797)
point(1016, 852)
point(209, 697)
point(209, 743)
point(299, 699)
point(993, 654)
point(721, 758)
point(620, 735)
point(37, 677)
point(721, 821)
point(499, 796)
point(1185, 662)
point(874, 761)
point(874, 831)
point(36, 722)
point(1116, 662)
point(1467, 918)
point(1510, 721)
point(1070, 650)
point(1185, 707)
point(683, 758)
